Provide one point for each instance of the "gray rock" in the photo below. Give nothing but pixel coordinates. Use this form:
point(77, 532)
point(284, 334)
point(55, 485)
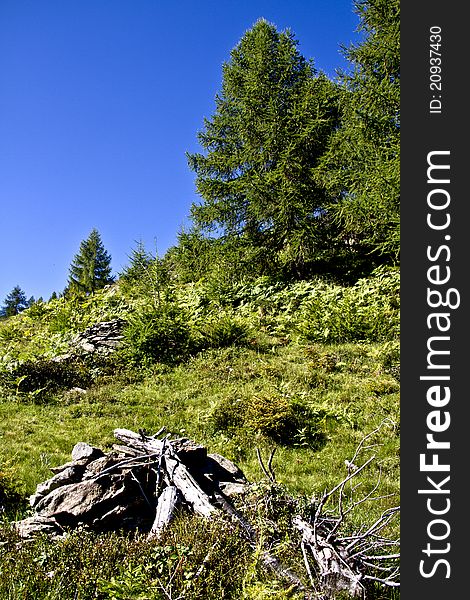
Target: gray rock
point(230, 488)
point(85, 451)
point(82, 502)
point(95, 467)
point(220, 468)
point(31, 526)
point(82, 462)
point(71, 474)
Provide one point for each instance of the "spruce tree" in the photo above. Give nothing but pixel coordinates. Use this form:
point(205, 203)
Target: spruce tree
point(273, 117)
point(91, 267)
point(14, 303)
point(139, 262)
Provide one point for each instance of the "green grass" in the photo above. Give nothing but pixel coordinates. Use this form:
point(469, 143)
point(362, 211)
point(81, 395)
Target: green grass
point(312, 402)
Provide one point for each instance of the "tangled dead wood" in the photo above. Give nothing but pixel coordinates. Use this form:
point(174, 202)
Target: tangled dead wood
point(146, 479)
point(347, 562)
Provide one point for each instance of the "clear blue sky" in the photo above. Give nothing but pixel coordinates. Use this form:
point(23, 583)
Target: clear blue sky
point(100, 100)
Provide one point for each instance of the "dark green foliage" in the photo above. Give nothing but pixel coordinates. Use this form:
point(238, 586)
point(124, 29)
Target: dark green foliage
point(222, 331)
point(139, 262)
point(40, 379)
point(118, 567)
point(276, 417)
point(91, 267)
point(222, 262)
point(367, 311)
point(159, 334)
point(12, 503)
point(361, 167)
point(272, 120)
point(15, 302)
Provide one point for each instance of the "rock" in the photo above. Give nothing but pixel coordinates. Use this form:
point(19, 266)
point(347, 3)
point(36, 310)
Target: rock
point(82, 462)
point(230, 488)
point(85, 451)
point(95, 467)
point(220, 468)
point(31, 526)
point(119, 489)
point(71, 474)
point(82, 502)
point(102, 337)
point(189, 452)
point(76, 390)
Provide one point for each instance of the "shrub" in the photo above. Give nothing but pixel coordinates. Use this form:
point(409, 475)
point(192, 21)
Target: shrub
point(42, 377)
point(157, 335)
point(223, 331)
point(11, 500)
point(227, 415)
point(367, 311)
point(279, 417)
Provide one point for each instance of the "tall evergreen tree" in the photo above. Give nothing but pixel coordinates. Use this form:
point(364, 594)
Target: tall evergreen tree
point(362, 166)
point(14, 303)
point(91, 267)
point(272, 119)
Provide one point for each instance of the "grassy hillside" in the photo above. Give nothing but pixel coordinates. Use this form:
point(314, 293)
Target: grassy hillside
point(308, 369)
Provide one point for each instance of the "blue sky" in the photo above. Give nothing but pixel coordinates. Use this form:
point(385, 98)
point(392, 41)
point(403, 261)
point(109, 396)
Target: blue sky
point(100, 100)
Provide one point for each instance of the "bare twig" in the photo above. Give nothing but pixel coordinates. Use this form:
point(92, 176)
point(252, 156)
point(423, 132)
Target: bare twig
point(267, 471)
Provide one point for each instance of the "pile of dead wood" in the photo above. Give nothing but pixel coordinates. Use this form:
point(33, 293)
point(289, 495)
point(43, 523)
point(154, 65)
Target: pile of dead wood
point(140, 484)
point(146, 479)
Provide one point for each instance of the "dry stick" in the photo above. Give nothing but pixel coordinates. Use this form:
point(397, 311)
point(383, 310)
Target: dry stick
point(377, 526)
point(159, 467)
point(353, 506)
point(328, 559)
point(126, 462)
point(168, 502)
point(265, 471)
point(141, 490)
point(205, 561)
point(192, 492)
point(384, 581)
point(382, 556)
point(327, 495)
point(232, 512)
point(270, 460)
point(307, 564)
point(134, 440)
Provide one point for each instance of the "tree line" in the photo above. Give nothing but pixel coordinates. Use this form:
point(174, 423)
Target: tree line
point(298, 174)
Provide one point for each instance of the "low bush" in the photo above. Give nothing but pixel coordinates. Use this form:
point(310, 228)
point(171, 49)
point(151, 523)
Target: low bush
point(369, 311)
point(276, 417)
point(157, 335)
point(223, 331)
point(38, 379)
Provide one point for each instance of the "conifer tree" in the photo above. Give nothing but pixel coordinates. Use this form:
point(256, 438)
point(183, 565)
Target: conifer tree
point(14, 303)
point(362, 166)
point(272, 119)
point(91, 267)
point(139, 262)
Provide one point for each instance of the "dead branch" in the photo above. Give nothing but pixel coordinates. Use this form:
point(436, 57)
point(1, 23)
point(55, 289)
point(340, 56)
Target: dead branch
point(346, 563)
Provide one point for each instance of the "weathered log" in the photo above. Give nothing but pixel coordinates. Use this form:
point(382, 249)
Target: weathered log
point(127, 451)
point(168, 502)
point(192, 492)
point(335, 572)
point(139, 442)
